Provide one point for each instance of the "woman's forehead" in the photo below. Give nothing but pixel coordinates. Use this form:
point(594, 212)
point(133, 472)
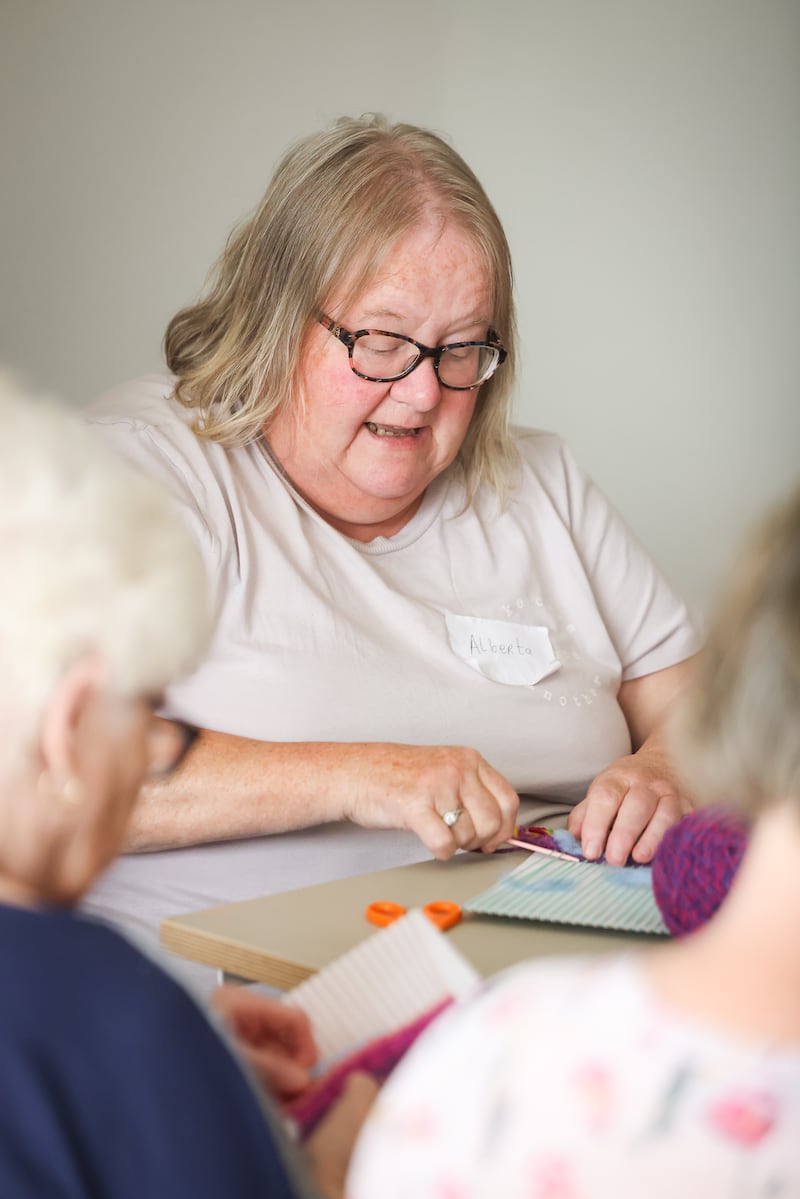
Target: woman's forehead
point(433, 257)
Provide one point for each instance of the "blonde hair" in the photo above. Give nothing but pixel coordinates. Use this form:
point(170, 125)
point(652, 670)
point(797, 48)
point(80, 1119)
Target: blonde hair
point(739, 730)
point(95, 560)
point(337, 203)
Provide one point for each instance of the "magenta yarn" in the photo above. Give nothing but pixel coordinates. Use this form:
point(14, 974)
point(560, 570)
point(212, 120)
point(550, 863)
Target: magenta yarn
point(695, 865)
point(378, 1058)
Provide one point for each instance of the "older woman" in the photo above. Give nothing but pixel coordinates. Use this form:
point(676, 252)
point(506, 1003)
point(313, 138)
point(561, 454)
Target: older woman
point(419, 615)
point(115, 1082)
point(675, 1072)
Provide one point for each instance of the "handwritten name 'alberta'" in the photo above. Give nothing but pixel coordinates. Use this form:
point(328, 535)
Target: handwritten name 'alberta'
point(486, 645)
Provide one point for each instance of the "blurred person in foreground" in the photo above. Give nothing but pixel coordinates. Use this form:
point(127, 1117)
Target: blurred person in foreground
point(671, 1072)
point(116, 1084)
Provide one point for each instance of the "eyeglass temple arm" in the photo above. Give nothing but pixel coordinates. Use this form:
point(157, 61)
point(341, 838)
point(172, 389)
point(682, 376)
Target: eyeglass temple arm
point(338, 332)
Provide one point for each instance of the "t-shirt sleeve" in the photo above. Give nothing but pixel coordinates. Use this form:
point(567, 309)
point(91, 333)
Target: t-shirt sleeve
point(150, 438)
point(143, 426)
point(649, 624)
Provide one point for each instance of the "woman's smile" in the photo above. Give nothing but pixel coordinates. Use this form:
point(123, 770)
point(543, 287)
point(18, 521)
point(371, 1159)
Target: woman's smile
point(392, 430)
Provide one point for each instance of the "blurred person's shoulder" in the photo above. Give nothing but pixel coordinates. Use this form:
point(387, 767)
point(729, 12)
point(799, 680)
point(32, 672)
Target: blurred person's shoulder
point(95, 966)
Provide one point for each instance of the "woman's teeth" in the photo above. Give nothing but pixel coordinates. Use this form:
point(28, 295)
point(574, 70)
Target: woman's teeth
point(390, 430)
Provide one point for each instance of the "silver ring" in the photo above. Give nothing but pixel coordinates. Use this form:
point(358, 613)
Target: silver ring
point(452, 816)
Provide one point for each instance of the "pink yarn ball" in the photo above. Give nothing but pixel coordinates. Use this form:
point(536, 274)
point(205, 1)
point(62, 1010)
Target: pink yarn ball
point(695, 865)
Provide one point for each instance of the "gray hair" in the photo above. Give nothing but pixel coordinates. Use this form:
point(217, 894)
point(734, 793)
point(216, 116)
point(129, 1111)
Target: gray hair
point(95, 560)
point(739, 730)
point(337, 203)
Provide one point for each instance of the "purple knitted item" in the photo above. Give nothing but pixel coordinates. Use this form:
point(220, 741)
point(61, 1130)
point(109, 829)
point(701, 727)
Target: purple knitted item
point(378, 1058)
point(695, 865)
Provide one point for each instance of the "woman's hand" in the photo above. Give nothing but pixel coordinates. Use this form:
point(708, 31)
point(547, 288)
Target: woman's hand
point(275, 1038)
point(231, 787)
point(628, 808)
point(632, 803)
point(413, 786)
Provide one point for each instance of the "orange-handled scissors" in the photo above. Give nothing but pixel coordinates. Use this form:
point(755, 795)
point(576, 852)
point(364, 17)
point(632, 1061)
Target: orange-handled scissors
point(441, 912)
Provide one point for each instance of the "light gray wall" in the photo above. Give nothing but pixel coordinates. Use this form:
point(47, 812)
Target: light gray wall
point(643, 155)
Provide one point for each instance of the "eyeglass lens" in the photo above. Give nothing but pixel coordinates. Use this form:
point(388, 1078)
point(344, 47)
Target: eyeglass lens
point(383, 356)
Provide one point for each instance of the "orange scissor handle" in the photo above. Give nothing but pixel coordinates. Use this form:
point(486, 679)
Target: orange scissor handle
point(441, 912)
point(384, 912)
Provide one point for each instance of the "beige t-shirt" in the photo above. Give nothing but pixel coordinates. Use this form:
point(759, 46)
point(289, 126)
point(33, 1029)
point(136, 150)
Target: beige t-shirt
point(508, 631)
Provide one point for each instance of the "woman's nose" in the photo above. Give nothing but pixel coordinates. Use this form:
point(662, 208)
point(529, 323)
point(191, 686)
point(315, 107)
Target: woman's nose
point(421, 389)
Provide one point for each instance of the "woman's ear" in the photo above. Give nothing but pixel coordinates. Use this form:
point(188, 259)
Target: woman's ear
point(68, 713)
point(53, 843)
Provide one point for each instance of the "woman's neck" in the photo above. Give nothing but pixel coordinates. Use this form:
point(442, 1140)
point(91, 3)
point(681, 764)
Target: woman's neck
point(741, 971)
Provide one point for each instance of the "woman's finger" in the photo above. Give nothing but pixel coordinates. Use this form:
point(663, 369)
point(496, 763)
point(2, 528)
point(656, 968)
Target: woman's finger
point(281, 1077)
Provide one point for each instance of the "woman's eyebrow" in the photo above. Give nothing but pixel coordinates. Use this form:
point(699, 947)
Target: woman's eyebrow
point(385, 314)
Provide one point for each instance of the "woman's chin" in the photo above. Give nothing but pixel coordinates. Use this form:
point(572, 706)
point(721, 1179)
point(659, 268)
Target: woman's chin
point(375, 516)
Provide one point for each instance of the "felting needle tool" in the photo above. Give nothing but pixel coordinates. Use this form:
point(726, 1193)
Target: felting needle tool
point(551, 853)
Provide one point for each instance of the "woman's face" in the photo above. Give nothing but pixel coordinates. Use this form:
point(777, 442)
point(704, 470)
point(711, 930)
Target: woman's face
point(134, 746)
point(121, 770)
point(55, 844)
point(54, 847)
point(432, 286)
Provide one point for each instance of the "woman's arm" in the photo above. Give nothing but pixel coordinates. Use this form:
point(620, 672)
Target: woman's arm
point(231, 787)
point(632, 803)
point(330, 1146)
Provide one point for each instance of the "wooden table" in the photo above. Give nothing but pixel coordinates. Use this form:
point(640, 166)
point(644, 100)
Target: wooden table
point(283, 939)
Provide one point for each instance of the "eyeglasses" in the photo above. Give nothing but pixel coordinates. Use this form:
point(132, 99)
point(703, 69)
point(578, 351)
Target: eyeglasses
point(168, 743)
point(382, 357)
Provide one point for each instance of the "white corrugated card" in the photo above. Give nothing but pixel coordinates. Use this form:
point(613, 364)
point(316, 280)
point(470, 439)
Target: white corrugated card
point(385, 982)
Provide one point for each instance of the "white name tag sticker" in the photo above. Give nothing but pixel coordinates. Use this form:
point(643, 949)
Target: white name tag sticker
point(515, 654)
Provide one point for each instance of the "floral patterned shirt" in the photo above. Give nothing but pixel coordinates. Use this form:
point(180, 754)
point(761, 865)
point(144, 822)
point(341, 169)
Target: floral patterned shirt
point(570, 1079)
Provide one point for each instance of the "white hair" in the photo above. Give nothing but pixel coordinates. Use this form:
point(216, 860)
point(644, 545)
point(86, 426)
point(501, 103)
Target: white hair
point(94, 559)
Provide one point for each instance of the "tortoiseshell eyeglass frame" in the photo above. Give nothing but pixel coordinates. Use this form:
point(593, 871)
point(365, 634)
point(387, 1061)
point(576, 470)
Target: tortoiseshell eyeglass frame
point(349, 339)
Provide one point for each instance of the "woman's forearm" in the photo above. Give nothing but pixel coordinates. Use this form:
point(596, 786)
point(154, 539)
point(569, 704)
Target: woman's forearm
point(232, 787)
